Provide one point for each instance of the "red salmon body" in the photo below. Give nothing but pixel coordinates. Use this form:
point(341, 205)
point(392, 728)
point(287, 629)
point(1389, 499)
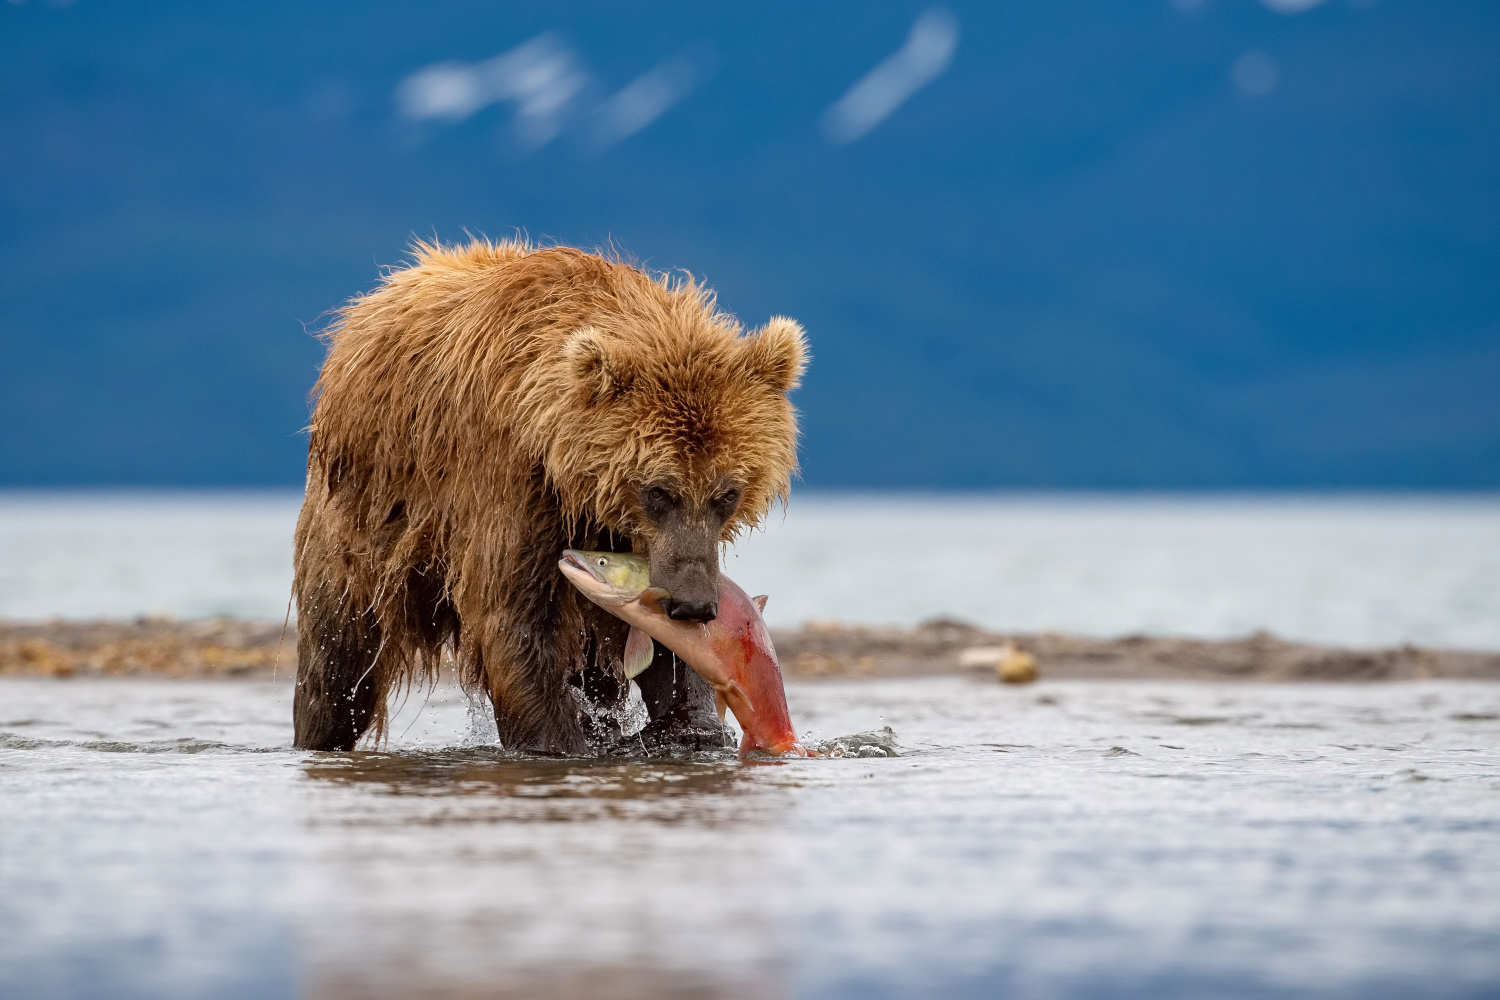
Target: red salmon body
point(742, 645)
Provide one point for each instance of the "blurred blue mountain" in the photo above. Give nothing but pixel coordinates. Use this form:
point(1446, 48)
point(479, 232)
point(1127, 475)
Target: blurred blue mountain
point(1216, 243)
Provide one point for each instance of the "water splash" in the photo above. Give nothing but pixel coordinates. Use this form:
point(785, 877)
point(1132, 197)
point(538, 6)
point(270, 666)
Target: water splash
point(483, 730)
point(614, 721)
point(881, 743)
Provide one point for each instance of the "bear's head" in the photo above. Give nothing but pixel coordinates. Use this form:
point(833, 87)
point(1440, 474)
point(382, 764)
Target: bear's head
point(676, 430)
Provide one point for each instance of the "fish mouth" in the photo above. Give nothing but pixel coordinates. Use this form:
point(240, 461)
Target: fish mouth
point(576, 560)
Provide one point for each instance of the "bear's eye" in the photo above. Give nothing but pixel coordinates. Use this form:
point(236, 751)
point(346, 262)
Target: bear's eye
point(726, 501)
point(658, 501)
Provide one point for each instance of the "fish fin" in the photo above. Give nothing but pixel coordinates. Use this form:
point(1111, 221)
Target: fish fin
point(734, 690)
point(760, 602)
point(652, 598)
point(639, 651)
point(746, 745)
point(720, 704)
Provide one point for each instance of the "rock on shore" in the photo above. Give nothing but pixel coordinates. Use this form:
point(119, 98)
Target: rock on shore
point(154, 647)
point(228, 648)
point(939, 647)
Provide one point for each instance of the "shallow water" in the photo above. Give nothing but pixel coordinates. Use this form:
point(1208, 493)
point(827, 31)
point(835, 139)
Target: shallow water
point(1346, 570)
point(1152, 840)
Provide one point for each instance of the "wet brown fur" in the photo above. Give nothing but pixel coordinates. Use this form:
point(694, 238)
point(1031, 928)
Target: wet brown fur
point(482, 409)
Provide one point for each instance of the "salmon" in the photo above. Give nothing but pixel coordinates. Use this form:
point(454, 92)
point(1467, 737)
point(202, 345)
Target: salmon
point(733, 653)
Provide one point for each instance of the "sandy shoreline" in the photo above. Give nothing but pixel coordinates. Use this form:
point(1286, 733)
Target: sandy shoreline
point(229, 648)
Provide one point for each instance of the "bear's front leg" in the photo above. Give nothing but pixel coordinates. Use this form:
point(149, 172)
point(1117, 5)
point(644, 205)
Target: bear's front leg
point(681, 706)
point(523, 628)
point(338, 689)
point(526, 662)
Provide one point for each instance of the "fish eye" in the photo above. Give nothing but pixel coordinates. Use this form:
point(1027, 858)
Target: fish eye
point(603, 561)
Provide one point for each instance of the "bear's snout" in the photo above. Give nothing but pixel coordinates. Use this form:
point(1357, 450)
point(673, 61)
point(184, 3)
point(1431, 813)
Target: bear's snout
point(684, 555)
point(692, 611)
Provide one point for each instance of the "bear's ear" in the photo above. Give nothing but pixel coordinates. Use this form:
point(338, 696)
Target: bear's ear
point(777, 353)
point(597, 365)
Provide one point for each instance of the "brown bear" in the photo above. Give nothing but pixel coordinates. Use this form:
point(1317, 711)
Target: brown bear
point(478, 412)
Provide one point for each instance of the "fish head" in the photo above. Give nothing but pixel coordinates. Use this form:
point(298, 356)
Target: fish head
point(609, 579)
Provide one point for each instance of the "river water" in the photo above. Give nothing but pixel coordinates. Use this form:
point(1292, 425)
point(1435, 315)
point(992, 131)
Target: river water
point(1064, 840)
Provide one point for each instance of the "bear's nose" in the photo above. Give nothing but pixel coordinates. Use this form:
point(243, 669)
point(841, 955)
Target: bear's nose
point(693, 611)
